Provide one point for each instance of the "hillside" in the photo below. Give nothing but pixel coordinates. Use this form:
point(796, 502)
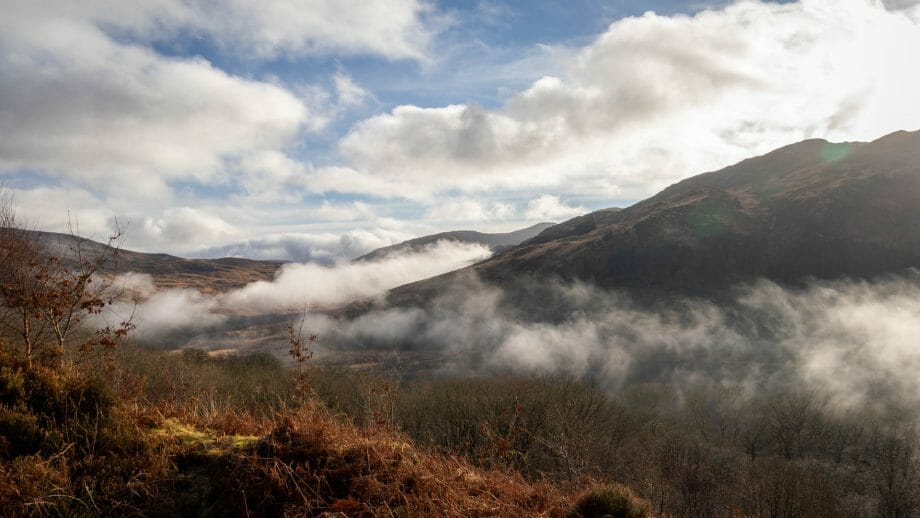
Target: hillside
point(496, 242)
point(188, 435)
point(168, 271)
point(811, 209)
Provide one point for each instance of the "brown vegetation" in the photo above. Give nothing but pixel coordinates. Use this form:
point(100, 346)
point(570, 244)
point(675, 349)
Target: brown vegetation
point(129, 431)
point(71, 447)
point(166, 271)
point(44, 300)
point(696, 451)
point(134, 432)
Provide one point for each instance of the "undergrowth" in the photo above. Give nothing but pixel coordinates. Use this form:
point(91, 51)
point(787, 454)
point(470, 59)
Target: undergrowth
point(187, 434)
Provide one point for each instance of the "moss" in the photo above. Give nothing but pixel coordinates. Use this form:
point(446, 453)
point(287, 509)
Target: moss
point(189, 437)
point(240, 442)
point(183, 434)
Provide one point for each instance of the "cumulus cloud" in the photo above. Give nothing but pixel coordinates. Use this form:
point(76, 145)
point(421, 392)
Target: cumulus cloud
point(657, 98)
point(182, 227)
point(393, 29)
point(93, 219)
point(81, 106)
point(101, 109)
point(469, 210)
point(549, 208)
point(102, 114)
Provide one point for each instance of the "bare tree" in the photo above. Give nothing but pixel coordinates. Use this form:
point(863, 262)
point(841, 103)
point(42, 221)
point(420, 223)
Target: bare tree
point(46, 295)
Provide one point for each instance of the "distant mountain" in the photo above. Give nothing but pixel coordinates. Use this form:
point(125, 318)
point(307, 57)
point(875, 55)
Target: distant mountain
point(206, 275)
point(496, 242)
point(811, 209)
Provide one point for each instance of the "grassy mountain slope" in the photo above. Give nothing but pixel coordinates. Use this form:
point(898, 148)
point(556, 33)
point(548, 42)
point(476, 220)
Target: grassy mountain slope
point(168, 271)
point(811, 209)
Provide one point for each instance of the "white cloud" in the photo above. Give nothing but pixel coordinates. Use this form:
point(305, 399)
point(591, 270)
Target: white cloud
point(341, 212)
point(80, 106)
point(347, 91)
point(655, 99)
point(182, 227)
point(550, 208)
point(393, 29)
point(469, 210)
point(72, 207)
point(100, 121)
point(103, 125)
point(349, 180)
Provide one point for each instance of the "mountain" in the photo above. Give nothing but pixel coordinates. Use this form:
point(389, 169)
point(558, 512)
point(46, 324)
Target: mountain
point(496, 242)
point(205, 275)
point(811, 209)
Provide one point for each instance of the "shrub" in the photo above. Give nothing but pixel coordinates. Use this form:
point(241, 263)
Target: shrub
point(90, 399)
point(12, 386)
point(20, 433)
point(44, 394)
point(612, 502)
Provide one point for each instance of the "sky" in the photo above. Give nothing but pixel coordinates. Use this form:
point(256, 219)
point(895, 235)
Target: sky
point(317, 130)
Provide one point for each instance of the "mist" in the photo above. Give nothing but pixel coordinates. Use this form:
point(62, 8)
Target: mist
point(851, 341)
point(310, 285)
point(179, 314)
point(160, 314)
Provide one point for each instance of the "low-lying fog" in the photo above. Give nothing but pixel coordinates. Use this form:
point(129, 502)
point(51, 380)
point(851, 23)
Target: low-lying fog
point(852, 341)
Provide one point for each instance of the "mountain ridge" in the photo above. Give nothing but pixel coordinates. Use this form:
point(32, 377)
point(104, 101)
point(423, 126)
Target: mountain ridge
point(497, 242)
point(167, 271)
point(812, 209)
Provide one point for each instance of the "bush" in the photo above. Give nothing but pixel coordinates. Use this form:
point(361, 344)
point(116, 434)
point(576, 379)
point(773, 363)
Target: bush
point(612, 502)
point(44, 394)
point(90, 399)
point(20, 434)
point(12, 386)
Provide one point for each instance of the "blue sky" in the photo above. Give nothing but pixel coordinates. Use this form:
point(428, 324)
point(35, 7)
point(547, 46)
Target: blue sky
point(320, 129)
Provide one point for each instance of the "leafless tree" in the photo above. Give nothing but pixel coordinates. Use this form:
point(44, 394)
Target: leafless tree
point(47, 295)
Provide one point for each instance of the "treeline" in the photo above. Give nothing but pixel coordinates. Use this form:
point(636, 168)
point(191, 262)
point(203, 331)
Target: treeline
point(700, 450)
point(697, 451)
point(690, 451)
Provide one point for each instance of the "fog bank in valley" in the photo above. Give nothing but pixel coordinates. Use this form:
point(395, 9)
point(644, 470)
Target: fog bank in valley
point(296, 287)
point(852, 341)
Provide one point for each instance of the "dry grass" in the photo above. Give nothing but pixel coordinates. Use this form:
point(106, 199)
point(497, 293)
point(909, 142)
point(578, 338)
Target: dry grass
point(377, 473)
point(312, 464)
point(183, 456)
